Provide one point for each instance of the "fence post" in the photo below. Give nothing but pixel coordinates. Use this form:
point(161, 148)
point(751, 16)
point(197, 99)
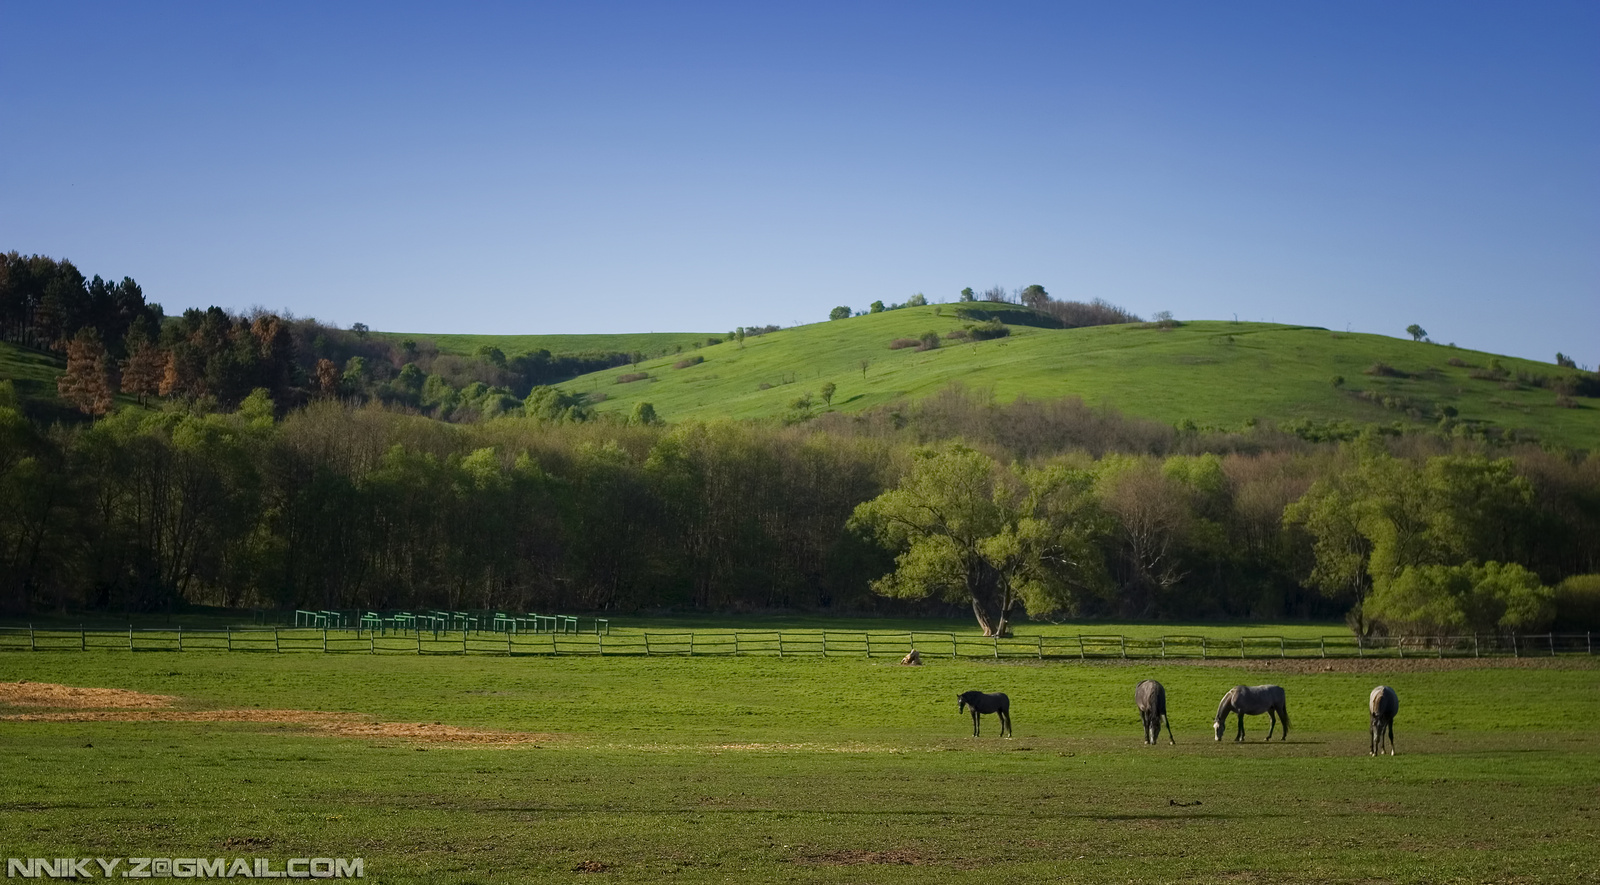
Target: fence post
point(1281, 653)
point(230, 637)
point(324, 639)
point(824, 643)
point(419, 642)
point(780, 643)
point(130, 637)
point(1514, 652)
point(1241, 648)
point(83, 639)
point(952, 646)
point(180, 637)
point(869, 644)
point(32, 645)
point(599, 643)
point(1552, 637)
point(1322, 642)
point(1123, 641)
point(1038, 641)
point(1474, 644)
point(1163, 645)
point(1400, 643)
point(691, 645)
point(463, 639)
point(372, 640)
point(1202, 648)
point(277, 644)
point(1080, 647)
point(553, 650)
point(997, 646)
point(736, 643)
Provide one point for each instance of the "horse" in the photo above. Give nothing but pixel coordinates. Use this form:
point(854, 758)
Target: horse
point(1254, 701)
point(986, 703)
point(1151, 699)
point(1383, 703)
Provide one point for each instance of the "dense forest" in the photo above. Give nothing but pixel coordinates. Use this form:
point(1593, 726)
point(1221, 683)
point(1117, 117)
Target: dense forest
point(258, 477)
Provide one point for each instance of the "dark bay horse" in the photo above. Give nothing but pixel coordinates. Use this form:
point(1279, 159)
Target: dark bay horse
point(986, 703)
point(1151, 699)
point(1383, 703)
point(1246, 700)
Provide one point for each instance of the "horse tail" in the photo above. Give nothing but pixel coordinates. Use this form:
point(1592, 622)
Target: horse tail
point(1283, 713)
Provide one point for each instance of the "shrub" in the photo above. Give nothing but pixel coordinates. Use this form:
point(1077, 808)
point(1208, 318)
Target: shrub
point(986, 330)
point(1566, 402)
point(957, 335)
point(1385, 370)
point(902, 343)
point(1458, 362)
point(1578, 603)
point(928, 341)
point(631, 377)
point(763, 386)
point(686, 363)
point(1337, 381)
point(1441, 599)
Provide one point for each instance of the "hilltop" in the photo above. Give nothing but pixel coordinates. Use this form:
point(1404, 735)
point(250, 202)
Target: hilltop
point(1213, 373)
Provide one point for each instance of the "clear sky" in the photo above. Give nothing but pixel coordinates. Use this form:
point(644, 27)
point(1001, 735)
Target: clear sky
point(610, 167)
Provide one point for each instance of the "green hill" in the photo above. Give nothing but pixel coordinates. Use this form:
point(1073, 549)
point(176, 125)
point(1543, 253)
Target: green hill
point(1217, 374)
point(649, 343)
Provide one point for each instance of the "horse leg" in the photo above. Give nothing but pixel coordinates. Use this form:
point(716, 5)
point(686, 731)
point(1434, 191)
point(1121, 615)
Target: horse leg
point(975, 715)
point(1169, 731)
point(1005, 723)
point(1391, 737)
point(1240, 735)
point(1272, 716)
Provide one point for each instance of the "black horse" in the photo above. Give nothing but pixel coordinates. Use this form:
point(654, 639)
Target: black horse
point(986, 703)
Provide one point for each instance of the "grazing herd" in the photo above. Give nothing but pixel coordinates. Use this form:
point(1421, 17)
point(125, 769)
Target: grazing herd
point(1241, 700)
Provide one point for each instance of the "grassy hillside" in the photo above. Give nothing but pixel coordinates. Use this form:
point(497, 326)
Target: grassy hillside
point(651, 343)
point(33, 375)
point(1220, 374)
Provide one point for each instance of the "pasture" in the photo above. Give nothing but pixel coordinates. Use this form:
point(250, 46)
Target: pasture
point(472, 769)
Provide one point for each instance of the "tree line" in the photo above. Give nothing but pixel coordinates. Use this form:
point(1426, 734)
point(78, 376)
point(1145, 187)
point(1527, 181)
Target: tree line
point(1053, 510)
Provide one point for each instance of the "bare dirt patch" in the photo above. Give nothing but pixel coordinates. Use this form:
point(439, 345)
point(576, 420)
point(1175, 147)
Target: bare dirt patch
point(67, 697)
point(65, 703)
point(1396, 665)
point(853, 857)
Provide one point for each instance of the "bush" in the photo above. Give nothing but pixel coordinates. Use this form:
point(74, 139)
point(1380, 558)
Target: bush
point(987, 330)
point(928, 341)
point(686, 363)
point(631, 377)
point(1440, 599)
point(957, 335)
point(1577, 602)
point(1384, 370)
point(902, 343)
point(1458, 362)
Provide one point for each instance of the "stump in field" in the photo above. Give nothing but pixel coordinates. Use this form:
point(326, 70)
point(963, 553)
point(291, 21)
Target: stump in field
point(912, 660)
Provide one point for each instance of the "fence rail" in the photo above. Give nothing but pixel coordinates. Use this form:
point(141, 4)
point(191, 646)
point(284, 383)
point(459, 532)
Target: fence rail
point(778, 643)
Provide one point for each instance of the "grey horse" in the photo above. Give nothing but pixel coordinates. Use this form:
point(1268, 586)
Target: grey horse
point(1151, 699)
point(1254, 701)
point(1383, 703)
point(982, 703)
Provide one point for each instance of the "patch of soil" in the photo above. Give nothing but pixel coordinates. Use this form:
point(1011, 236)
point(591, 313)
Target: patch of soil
point(591, 866)
point(69, 704)
point(1394, 665)
point(67, 697)
point(854, 857)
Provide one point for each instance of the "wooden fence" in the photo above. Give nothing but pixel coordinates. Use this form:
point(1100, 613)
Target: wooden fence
point(781, 643)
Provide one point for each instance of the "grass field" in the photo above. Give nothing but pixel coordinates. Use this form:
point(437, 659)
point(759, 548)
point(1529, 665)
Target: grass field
point(1219, 374)
point(476, 769)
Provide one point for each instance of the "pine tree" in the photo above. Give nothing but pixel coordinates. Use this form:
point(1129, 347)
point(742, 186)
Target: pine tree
point(86, 385)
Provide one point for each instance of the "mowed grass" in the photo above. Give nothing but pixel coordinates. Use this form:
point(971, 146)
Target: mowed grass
point(1219, 374)
point(652, 343)
point(818, 770)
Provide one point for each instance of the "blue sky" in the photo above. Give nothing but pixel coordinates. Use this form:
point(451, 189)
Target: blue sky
point(605, 167)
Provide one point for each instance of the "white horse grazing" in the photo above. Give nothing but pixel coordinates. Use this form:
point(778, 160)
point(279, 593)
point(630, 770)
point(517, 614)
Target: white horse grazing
point(1383, 703)
point(1151, 700)
point(1253, 701)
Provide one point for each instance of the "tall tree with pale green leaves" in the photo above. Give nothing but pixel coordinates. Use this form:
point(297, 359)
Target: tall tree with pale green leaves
point(968, 530)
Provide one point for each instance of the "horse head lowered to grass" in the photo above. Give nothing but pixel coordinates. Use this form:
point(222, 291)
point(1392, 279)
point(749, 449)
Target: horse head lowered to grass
point(982, 703)
point(1253, 701)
